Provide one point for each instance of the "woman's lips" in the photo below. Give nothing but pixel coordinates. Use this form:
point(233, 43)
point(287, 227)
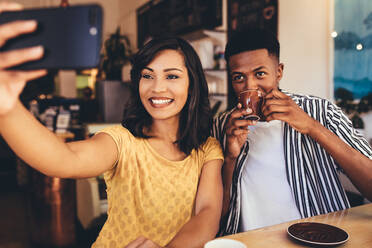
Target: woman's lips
point(160, 102)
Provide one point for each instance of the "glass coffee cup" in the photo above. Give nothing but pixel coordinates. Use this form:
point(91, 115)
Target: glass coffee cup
point(251, 99)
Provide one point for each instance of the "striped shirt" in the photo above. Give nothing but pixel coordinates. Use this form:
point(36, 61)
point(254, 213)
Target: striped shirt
point(311, 171)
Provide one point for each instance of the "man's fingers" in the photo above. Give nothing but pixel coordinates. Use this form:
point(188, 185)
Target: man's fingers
point(235, 124)
point(237, 113)
point(16, 57)
point(241, 123)
point(20, 76)
point(275, 109)
point(272, 102)
point(16, 28)
point(276, 94)
point(240, 131)
point(10, 6)
point(278, 116)
point(234, 130)
point(238, 124)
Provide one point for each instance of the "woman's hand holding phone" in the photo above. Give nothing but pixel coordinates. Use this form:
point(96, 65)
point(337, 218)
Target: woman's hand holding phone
point(13, 82)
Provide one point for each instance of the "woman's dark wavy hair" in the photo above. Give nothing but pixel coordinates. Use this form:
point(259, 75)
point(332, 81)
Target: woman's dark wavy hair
point(196, 118)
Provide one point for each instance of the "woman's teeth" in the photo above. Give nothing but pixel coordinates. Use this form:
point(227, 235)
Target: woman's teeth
point(155, 101)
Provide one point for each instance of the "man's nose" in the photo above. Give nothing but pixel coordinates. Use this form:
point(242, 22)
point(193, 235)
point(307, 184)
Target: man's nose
point(159, 85)
point(250, 83)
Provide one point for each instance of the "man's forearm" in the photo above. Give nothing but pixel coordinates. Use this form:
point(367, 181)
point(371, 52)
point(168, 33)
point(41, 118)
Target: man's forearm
point(356, 166)
point(227, 174)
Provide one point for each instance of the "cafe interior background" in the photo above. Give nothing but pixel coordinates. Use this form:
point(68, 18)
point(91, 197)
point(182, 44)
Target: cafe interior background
point(317, 46)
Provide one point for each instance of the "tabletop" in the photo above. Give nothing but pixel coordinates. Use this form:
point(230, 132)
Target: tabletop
point(357, 222)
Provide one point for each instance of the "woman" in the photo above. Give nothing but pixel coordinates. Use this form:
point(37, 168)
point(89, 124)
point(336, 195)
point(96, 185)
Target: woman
point(161, 168)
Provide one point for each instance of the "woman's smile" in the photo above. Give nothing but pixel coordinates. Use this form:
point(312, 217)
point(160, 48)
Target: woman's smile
point(160, 102)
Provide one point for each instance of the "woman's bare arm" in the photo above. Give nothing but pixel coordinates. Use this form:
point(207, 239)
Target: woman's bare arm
point(44, 151)
point(204, 225)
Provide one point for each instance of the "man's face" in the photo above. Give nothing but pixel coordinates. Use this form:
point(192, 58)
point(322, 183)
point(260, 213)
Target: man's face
point(255, 70)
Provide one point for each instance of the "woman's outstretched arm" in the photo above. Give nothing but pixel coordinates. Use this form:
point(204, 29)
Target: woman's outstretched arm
point(44, 151)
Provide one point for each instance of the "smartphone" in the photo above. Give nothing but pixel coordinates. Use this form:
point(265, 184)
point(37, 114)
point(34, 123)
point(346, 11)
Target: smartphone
point(71, 36)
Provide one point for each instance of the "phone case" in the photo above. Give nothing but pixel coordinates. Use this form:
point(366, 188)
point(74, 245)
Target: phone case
point(71, 36)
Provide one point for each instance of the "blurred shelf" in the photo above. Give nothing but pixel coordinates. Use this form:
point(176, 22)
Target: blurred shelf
point(218, 36)
point(92, 128)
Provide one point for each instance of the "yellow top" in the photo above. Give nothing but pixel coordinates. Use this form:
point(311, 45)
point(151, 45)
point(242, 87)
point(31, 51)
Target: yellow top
point(149, 195)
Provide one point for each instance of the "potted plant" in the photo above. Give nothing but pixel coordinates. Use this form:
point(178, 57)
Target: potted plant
point(345, 100)
point(112, 92)
point(117, 53)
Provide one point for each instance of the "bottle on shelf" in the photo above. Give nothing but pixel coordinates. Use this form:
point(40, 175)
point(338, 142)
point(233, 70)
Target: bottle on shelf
point(64, 3)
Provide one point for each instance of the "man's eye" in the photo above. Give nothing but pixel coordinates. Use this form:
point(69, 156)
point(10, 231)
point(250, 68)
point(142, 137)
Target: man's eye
point(146, 76)
point(172, 77)
point(237, 78)
point(260, 74)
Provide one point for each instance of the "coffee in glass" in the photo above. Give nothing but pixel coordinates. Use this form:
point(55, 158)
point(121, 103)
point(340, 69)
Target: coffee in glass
point(251, 99)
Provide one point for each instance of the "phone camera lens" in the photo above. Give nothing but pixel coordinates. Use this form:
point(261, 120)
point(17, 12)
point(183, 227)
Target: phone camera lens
point(93, 31)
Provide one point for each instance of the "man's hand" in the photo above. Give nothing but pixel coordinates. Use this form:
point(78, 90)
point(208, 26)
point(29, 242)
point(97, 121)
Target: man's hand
point(142, 242)
point(236, 132)
point(279, 106)
point(13, 82)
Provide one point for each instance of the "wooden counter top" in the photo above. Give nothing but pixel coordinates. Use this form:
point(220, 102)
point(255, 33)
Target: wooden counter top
point(357, 222)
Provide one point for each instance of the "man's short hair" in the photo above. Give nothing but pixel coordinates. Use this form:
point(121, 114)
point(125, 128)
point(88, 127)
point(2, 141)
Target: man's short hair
point(252, 39)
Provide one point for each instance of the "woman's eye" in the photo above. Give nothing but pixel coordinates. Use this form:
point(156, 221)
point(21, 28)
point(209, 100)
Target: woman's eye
point(172, 77)
point(146, 76)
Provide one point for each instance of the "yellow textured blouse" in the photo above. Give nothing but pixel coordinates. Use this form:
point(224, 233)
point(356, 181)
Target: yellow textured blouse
point(149, 195)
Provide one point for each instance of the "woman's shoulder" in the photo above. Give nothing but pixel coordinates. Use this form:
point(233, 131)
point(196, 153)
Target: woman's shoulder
point(210, 150)
point(211, 141)
point(116, 130)
point(210, 145)
point(119, 134)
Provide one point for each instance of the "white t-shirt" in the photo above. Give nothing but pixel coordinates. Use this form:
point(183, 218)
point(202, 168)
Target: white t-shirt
point(266, 196)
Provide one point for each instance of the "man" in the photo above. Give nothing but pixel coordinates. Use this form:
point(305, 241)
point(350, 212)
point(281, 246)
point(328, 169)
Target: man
point(286, 165)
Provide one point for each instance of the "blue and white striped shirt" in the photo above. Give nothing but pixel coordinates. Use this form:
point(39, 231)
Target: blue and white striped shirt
point(311, 172)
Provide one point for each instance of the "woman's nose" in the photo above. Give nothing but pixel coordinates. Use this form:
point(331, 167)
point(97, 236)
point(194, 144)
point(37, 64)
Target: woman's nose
point(159, 85)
